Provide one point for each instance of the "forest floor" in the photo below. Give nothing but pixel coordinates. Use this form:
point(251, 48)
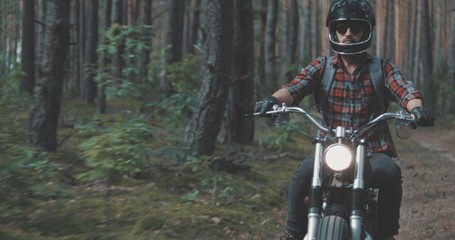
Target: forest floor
point(246, 201)
point(428, 206)
point(427, 161)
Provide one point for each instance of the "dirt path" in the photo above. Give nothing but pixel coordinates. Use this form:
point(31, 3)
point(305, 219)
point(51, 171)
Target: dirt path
point(439, 141)
point(428, 206)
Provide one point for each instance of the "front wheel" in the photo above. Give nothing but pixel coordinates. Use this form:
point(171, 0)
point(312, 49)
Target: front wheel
point(333, 227)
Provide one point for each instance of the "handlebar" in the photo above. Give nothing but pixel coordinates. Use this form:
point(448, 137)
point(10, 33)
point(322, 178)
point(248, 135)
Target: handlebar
point(401, 115)
point(284, 109)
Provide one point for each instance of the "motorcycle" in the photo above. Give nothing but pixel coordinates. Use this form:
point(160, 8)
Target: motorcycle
point(341, 205)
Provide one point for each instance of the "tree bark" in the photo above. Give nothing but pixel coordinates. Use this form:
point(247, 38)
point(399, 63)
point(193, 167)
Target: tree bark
point(174, 40)
point(271, 71)
point(381, 32)
point(101, 103)
point(305, 31)
point(42, 131)
point(74, 75)
point(192, 27)
point(401, 26)
point(236, 128)
point(292, 33)
point(262, 82)
point(324, 32)
point(88, 86)
point(28, 47)
point(81, 44)
point(315, 29)
point(390, 37)
point(450, 104)
point(427, 56)
point(117, 18)
point(202, 130)
point(147, 22)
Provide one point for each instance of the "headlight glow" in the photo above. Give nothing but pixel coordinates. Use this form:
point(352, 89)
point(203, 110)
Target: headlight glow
point(338, 157)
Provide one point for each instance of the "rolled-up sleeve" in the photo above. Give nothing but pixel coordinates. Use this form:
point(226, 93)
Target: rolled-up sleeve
point(403, 90)
point(304, 83)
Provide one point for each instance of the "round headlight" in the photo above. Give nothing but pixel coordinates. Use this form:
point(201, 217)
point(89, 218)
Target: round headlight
point(338, 157)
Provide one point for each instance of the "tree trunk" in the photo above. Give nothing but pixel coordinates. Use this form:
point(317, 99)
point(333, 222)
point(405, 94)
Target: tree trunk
point(195, 26)
point(292, 33)
point(324, 32)
point(271, 71)
point(48, 91)
point(418, 54)
point(381, 32)
point(88, 86)
point(450, 100)
point(304, 27)
point(236, 128)
point(117, 18)
point(28, 47)
point(390, 37)
point(202, 130)
point(427, 56)
point(74, 77)
point(412, 42)
point(174, 40)
point(401, 26)
point(81, 44)
point(262, 82)
point(101, 103)
point(315, 29)
point(41, 6)
point(145, 55)
point(192, 27)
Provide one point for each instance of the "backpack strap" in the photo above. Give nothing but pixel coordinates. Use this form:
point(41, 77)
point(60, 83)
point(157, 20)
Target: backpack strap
point(326, 82)
point(376, 74)
point(377, 77)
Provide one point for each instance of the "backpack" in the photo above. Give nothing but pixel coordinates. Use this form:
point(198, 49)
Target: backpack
point(377, 77)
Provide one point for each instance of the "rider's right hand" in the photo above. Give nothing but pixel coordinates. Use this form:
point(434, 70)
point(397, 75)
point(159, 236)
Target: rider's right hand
point(425, 117)
point(265, 105)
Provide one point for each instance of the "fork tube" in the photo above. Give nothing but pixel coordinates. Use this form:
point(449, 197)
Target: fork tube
point(357, 193)
point(314, 210)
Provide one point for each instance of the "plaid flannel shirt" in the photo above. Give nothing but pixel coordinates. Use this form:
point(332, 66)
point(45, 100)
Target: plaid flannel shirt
point(352, 100)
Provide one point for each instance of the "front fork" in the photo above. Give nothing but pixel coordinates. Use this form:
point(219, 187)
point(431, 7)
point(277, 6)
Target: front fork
point(315, 208)
point(357, 207)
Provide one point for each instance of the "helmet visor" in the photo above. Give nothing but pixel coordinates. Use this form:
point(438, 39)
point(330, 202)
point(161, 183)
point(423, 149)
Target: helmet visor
point(355, 26)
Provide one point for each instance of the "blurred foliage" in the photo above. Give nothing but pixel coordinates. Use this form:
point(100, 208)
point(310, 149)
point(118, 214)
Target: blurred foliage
point(171, 114)
point(133, 40)
point(284, 132)
point(185, 74)
point(24, 172)
point(211, 182)
point(121, 148)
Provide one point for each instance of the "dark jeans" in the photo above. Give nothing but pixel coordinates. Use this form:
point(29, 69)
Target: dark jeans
point(385, 175)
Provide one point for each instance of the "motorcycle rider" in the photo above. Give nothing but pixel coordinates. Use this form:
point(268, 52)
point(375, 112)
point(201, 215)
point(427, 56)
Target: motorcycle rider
point(351, 102)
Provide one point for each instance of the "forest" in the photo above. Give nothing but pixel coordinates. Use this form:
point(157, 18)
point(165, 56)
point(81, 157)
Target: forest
point(125, 119)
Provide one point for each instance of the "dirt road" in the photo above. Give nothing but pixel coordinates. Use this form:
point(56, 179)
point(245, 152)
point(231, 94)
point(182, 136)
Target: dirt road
point(428, 165)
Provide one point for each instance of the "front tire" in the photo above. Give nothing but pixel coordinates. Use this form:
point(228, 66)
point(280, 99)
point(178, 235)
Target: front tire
point(333, 227)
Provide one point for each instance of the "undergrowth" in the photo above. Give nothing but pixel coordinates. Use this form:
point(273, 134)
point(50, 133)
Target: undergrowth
point(154, 198)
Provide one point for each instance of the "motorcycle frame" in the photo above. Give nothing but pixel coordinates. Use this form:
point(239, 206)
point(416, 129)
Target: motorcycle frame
point(316, 198)
point(316, 191)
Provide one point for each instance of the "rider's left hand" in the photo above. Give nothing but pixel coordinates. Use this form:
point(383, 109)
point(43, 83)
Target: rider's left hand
point(425, 117)
point(265, 105)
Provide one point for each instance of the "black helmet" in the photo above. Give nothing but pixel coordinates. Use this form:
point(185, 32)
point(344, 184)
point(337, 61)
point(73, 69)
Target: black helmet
point(351, 10)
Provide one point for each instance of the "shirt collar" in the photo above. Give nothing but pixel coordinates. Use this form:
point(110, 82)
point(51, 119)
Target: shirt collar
point(337, 61)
